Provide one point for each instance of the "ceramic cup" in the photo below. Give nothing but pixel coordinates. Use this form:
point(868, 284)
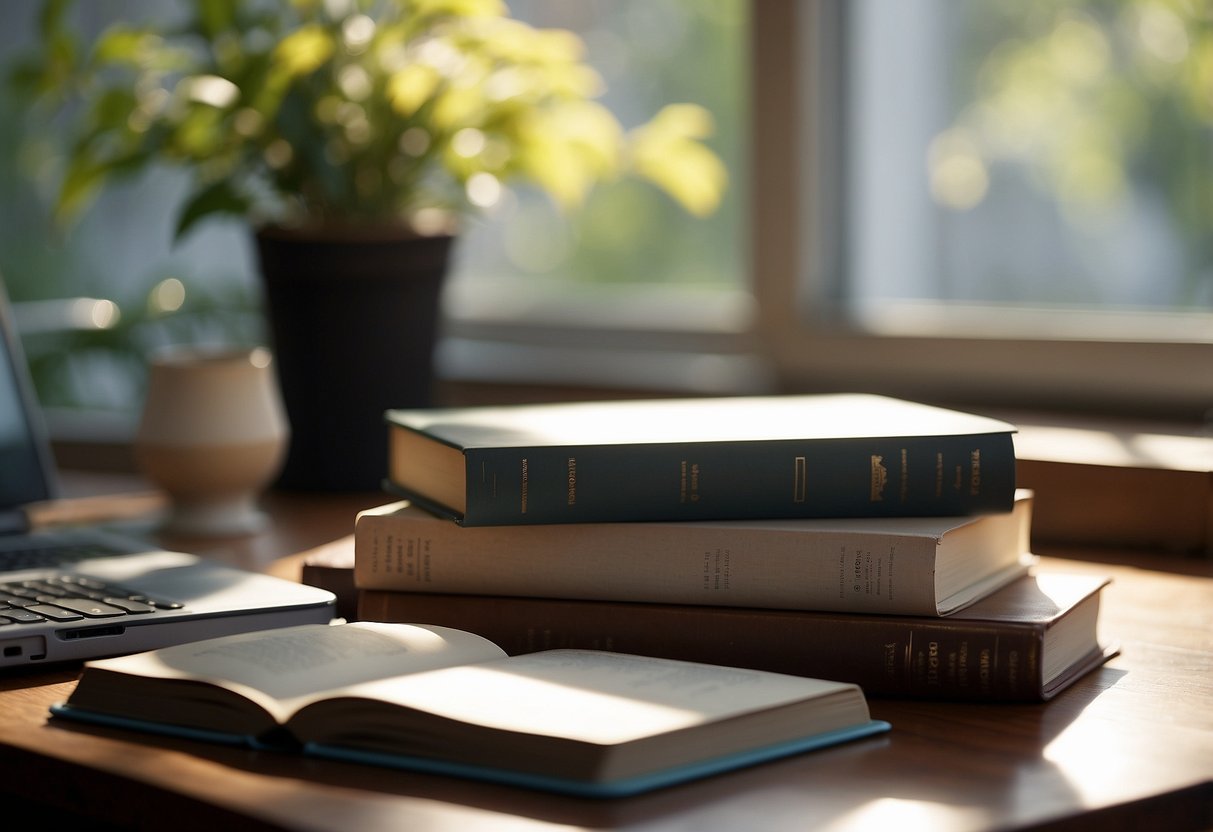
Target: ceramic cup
point(212, 434)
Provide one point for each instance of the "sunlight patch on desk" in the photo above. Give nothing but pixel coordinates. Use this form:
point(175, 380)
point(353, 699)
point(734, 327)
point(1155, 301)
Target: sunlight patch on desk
point(1090, 754)
point(910, 815)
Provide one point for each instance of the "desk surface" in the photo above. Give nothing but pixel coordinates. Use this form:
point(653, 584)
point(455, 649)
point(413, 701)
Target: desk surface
point(1128, 747)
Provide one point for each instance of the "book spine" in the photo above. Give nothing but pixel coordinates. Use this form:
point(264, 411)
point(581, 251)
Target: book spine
point(337, 580)
point(708, 564)
point(886, 655)
point(868, 477)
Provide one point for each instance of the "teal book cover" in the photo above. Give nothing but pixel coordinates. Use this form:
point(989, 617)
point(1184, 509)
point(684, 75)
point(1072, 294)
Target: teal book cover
point(624, 787)
point(728, 458)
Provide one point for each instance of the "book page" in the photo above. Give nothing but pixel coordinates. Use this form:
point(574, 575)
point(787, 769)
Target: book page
point(284, 668)
point(593, 696)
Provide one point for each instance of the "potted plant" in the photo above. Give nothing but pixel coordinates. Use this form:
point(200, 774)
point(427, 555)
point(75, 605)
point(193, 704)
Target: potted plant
point(353, 137)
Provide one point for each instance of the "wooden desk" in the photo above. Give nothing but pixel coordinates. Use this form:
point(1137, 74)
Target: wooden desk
point(1129, 747)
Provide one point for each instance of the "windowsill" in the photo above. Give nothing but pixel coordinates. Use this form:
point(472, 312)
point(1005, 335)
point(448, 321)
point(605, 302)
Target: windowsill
point(1118, 483)
point(1018, 322)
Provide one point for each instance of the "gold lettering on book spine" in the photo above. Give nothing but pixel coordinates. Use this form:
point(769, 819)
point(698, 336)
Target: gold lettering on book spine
point(880, 479)
point(904, 489)
point(933, 663)
point(526, 484)
point(985, 670)
point(975, 473)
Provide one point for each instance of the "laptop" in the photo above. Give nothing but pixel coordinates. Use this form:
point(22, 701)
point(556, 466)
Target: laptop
point(81, 593)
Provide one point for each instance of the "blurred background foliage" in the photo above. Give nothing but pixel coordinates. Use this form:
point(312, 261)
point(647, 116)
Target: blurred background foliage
point(628, 233)
point(350, 112)
point(1100, 103)
point(649, 54)
point(1103, 107)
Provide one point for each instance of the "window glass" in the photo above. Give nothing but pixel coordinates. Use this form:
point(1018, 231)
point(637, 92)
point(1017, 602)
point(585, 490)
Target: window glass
point(650, 53)
point(1043, 154)
point(91, 299)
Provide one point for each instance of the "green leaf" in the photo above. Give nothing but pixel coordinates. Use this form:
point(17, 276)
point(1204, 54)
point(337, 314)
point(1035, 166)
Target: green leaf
point(89, 171)
point(80, 187)
point(215, 16)
point(113, 109)
point(50, 21)
point(122, 45)
point(456, 107)
point(692, 175)
point(668, 153)
point(459, 8)
point(411, 87)
point(219, 198)
point(26, 76)
point(303, 51)
point(199, 133)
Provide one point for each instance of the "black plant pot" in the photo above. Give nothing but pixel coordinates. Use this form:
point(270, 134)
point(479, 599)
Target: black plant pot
point(353, 320)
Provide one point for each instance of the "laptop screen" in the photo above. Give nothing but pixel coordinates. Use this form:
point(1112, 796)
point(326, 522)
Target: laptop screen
point(24, 457)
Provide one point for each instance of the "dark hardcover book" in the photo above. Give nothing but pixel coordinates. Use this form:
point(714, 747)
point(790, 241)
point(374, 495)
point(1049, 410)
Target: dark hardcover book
point(728, 458)
point(331, 566)
point(1024, 643)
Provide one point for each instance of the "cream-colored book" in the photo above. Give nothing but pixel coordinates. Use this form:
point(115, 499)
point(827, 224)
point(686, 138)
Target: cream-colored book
point(886, 565)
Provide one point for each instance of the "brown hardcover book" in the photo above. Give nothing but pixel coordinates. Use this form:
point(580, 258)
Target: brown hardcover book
point(1026, 642)
point(331, 567)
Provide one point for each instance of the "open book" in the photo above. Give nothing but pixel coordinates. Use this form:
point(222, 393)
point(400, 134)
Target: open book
point(442, 700)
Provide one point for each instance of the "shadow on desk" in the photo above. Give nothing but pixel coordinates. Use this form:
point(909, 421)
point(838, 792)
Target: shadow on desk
point(986, 761)
point(19, 677)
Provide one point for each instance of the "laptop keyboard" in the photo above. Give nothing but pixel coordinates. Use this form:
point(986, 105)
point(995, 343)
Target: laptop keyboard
point(72, 598)
point(51, 555)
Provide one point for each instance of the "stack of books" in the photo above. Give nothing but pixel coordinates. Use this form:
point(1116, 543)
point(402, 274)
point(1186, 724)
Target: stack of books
point(858, 538)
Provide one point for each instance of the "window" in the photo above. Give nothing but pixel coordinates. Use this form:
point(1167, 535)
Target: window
point(631, 290)
point(649, 54)
point(906, 214)
point(1044, 157)
point(974, 218)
